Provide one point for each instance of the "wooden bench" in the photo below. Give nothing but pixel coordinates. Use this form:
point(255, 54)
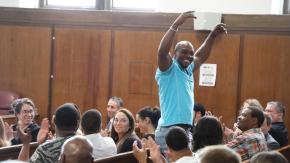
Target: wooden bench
point(285, 151)
point(12, 152)
point(126, 157)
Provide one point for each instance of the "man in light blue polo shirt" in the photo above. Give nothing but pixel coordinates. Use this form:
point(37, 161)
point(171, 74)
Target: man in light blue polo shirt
point(174, 77)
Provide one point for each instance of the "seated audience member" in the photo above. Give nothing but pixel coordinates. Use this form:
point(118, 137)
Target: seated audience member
point(269, 157)
point(236, 131)
point(208, 131)
point(271, 142)
point(3, 140)
point(178, 149)
point(114, 104)
point(66, 121)
point(251, 140)
point(91, 126)
point(147, 121)
point(278, 130)
point(218, 154)
point(123, 131)
point(76, 149)
point(24, 110)
point(199, 112)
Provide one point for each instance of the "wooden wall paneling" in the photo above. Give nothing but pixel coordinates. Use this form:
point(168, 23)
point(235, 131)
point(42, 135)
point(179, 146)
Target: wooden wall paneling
point(221, 100)
point(265, 70)
point(134, 67)
point(81, 68)
point(25, 62)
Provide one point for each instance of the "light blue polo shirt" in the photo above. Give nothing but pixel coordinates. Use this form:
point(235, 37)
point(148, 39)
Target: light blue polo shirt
point(176, 95)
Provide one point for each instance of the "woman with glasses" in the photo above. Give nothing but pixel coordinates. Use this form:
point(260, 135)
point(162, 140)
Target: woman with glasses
point(24, 110)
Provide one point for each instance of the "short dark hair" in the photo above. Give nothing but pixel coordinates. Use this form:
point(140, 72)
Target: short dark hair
point(118, 101)
point(199, 108)
point(208, 131)
point(256, 112)
point(177, 138)
point(67, 117)
point(152, 113)
point(17, 104)
point(91, 121)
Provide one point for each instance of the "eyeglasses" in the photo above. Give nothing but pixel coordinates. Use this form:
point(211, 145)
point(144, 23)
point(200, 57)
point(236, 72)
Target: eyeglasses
point(27, 111)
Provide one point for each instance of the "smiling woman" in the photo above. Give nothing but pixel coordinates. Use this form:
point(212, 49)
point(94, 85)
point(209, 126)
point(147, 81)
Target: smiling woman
point(24, 110)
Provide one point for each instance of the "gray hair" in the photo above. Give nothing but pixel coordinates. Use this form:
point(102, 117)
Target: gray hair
point(279, 107)
point(118, 101)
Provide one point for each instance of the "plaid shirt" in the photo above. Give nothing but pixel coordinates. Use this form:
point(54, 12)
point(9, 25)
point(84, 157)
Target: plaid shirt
point(249, 143)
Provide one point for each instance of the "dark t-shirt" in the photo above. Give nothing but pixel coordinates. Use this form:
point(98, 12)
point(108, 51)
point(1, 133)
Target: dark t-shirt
point(280, 133)
point(128, 144)
point(34, 128)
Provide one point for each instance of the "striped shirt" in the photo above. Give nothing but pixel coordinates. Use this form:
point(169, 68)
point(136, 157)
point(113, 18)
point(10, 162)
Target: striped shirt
point(48, 152)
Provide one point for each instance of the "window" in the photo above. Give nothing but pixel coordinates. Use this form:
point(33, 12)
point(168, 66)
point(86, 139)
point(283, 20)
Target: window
point(134, 4)
point(71, 3)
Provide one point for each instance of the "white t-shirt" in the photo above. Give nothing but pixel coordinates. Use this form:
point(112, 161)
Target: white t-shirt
point(102, 146)
point(188, 159)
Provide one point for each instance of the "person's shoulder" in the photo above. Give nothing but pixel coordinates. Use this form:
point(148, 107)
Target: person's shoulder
point(55, 143)
point(172, 66)
point(108, 139)
point(34, 127)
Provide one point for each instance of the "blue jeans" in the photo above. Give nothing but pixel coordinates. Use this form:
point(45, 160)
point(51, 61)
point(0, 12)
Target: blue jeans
point(161, 132)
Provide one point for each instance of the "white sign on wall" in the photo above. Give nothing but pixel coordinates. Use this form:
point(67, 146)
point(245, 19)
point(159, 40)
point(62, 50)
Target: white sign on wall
point(207, 75)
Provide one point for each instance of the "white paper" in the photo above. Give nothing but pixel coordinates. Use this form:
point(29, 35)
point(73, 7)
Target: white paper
point(207, 75)
point(206, 20)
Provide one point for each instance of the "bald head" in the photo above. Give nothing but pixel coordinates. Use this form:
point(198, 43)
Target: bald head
point(77, 149)
point(183, 44)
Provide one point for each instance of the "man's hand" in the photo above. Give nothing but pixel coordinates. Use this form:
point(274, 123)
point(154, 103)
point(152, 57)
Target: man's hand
point(181, 19)
point(219, 29)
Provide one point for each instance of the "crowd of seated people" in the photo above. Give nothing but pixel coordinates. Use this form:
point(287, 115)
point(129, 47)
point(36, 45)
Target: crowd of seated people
point(80, 136)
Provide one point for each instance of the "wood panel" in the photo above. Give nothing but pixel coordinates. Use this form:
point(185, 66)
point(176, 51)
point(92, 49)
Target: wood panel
point(221, 100)
point(12, 152)
point(265, 70)
point(81, 68)
point(25, 62)
point(134, 66)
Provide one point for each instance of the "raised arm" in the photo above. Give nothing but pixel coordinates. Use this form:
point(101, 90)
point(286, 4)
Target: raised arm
point(25, 149)
point(164, 59)
point(203, 51)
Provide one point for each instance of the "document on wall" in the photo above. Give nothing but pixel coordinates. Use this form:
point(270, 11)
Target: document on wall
point(207, 75)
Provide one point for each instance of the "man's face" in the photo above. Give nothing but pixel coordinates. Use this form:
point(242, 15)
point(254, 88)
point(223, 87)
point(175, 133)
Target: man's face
point(112, 108)
point(246, 121)
point(275, 115)
point(184, 55)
